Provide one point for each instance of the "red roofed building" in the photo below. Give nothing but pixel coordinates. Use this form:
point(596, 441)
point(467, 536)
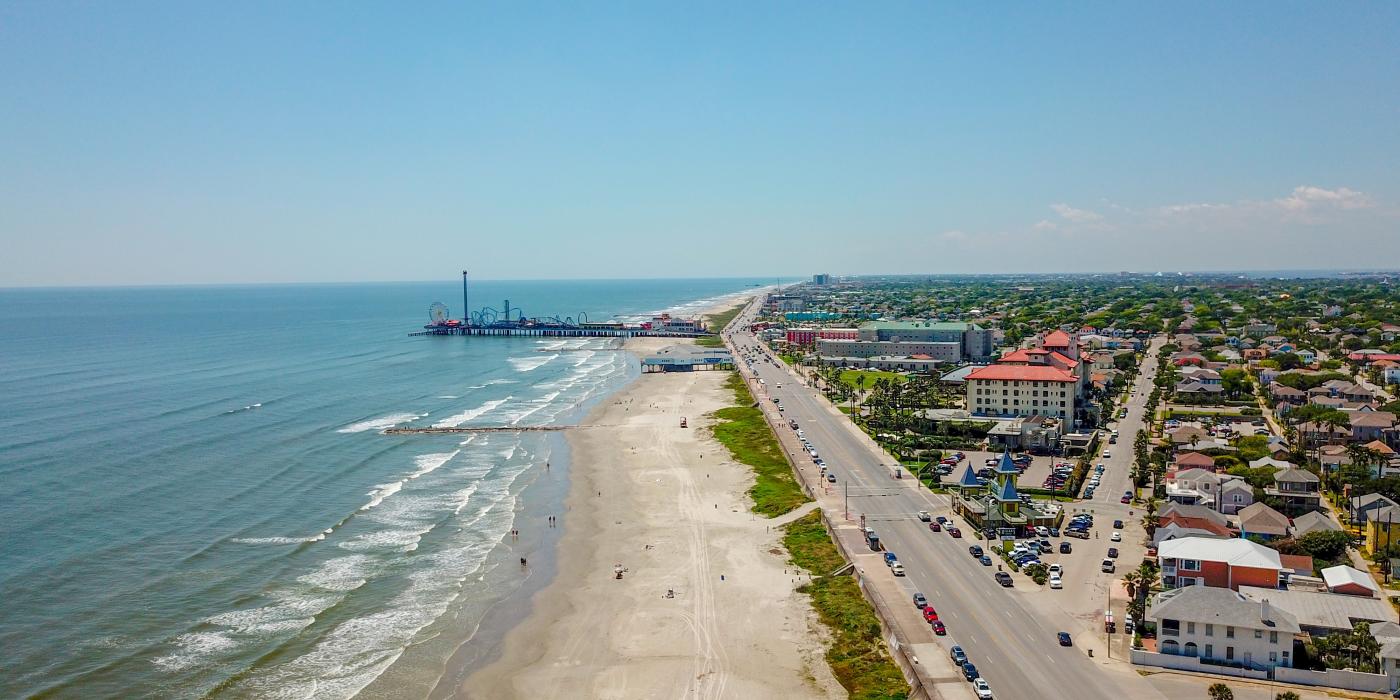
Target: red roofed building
point(1023, 390)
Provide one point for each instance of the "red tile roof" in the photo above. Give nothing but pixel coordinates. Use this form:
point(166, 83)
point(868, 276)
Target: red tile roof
point(1032, 373)
point(1195, 459)
point(1056, 339)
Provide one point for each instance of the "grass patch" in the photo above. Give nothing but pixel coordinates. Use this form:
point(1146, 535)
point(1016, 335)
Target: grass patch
point(745, 433)
point(717, 322)
point(849, 377)
point(857, 652)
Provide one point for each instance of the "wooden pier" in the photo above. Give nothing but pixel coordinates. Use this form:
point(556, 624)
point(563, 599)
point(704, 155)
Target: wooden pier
point(554, 332)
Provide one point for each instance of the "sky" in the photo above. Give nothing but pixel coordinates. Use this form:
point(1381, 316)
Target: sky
point(174, 143)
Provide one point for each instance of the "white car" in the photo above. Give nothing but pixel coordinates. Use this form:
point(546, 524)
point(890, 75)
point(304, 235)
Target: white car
point(1116, 536)
point(897, 568)
point(984, 691)
point(1056, 569)
point(1106, 455)
point(1055, 581)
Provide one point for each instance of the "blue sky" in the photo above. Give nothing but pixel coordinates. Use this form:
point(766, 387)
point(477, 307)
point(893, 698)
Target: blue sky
point(265, 142)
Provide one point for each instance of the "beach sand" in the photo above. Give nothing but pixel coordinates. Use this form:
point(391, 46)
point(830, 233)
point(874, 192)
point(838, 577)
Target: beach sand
point(668, 505)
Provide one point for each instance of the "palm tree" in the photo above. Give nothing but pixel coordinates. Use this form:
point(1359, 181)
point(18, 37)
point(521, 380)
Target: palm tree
point(1220, 691)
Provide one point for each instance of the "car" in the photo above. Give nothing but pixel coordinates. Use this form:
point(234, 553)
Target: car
point(1107, 566)
point(1112, 552)
point(986, 560)
point(1042, 531)
point(1004, 579)
point(1055, 569)
point(1066, 548)
point(939, 629)
point(1078, 534)
point(930, 614)
point(970, 672)
point(1118, 524)
point(975, 550)
point(1126, 499)
point(942, 520)
point(890, 559)
point(831, 477)
point(920, 601)
point(984, 691)
point(933, 527)
point(923, 516)
point(957, 655)
point(1065, 639)
point(1107, 455)
point(1055, 581)
point(1116, 536)
point(1054, 532)
point(955, 532)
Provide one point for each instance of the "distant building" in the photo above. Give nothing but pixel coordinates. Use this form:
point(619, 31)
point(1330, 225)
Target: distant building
point(821, 279)
point(975, 341)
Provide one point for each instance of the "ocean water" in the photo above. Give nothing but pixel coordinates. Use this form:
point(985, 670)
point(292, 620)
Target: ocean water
point(196, 499)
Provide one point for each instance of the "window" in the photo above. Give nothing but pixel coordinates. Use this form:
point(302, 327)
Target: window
point(1210, 651)
point(1189, 565)
point(1229, 632)
point(1229, 653)
point(1210, 630)
point(1273, 657)
point(1172, 627)
point(1258, 634)
point(1190, 628)
point(1273, 637)
point(1190, 648)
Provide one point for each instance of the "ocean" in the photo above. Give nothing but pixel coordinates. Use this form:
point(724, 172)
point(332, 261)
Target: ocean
point(196, 499)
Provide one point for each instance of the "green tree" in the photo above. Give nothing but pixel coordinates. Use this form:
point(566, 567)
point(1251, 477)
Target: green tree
point(1286, 695)
point(1220, 691)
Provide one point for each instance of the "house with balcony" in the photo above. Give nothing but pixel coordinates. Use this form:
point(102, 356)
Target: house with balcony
point(1298, 488)
point(1259, 520)
point(1222, 626)
point(1193, 487)
point(1199, 561)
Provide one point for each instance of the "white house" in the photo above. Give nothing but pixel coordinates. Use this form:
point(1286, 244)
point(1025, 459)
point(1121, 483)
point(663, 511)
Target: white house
point(1222, 625)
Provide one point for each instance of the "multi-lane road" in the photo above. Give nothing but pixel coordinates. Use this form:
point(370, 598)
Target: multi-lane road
point(1010, 639)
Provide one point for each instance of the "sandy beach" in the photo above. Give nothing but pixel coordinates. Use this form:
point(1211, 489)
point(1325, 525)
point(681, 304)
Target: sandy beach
point(707, 606)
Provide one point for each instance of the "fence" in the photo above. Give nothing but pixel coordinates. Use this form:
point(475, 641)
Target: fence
point(1190, 663)
point(1350, 680)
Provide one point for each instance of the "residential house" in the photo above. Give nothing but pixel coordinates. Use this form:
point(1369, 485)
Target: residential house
point(1316, 521)
point(1235, 495)
point(1259, 520)
point(1361, 508)
point(1193, 460)
point(1175, 530)
point(1299, 489)
point(1279, 392)
point(1188, 436)
point(1296, 565)
point(1346, 580)
point(1222, 625)
point(1269, 462)
point(1320, 613)
point(1193, 487)
point(1313, 434)
point(1381, 529)
point(1199, 561)
point(1372, 425)
point(1193, 512)
point(1197, 389)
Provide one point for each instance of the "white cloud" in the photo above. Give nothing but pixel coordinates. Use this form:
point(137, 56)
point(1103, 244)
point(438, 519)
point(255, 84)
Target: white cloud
point(1078, 216)
point(1045, 225)
point(1306, 197)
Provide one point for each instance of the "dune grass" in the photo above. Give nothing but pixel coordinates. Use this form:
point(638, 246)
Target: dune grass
point(856, 651)
point(716, 323)
point(745, 433)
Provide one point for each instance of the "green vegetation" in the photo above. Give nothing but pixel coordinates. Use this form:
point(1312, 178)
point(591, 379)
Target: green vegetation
point(857, 651)
point(716, 323)
point(861, 378)
point(743, 430)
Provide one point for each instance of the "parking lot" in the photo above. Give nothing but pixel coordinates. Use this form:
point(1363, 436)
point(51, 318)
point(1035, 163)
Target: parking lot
point(1033, 477)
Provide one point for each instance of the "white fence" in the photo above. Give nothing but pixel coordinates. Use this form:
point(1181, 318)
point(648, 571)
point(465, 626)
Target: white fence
point(1191, 663)
point(1351, 680)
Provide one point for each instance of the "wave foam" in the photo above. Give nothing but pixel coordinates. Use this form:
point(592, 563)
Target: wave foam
point(469, 414)
point(381, 422)
point(529, 364)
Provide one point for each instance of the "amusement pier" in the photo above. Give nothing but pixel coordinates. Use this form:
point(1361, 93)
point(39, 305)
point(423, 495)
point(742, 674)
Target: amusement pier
point(513, 322)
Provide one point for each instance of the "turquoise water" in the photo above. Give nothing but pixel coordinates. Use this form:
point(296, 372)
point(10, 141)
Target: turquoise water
point(196, 499)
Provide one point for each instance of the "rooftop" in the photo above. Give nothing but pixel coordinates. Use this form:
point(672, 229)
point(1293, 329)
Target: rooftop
point(1236, 552)
point(1221, 606)
point(1323, 610)
point(1031, 373)
point(1343, 575)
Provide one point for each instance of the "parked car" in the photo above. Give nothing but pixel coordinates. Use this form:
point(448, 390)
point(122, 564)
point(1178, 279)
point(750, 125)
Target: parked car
point(942, 520)
point(1054, 532)
point(1055, 569)
point(957, 655)
point(984, 691)
point(986, 560)
point(1065, 639)
point(1066, 548)
point(1126, 499)
point(975, 550)
point(1042, 531)
point(970, 672)
point(920, 601)
point(897, 569)
point(890, 559)
point(939, 629)
point(955, 532)
point(930, 614)
point(1116, 536)
point(1055, 581)
point(924, 516)
point(1107, 566)
point(1005, 579)
point(1112, 552)
point(1118, 524)
point(933, 527)
point(831, 477)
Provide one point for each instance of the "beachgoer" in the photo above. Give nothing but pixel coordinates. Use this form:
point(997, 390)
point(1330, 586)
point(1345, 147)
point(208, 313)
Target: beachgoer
point(522, 561)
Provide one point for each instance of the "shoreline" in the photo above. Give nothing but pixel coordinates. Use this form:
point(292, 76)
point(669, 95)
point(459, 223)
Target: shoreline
point(736, 625)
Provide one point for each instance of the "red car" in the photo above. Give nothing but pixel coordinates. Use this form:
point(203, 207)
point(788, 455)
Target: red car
point(930, 615)
point(955, 532)
point(939, 629)
point(1125, 499)
point(934, 527)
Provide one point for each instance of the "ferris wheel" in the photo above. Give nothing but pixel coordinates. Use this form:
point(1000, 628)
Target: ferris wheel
point(437, 313)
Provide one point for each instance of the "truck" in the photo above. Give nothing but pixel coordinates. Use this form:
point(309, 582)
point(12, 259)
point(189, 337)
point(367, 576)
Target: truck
point(872, 539)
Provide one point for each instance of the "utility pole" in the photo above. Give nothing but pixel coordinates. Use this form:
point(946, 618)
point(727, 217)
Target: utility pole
point(466, 310)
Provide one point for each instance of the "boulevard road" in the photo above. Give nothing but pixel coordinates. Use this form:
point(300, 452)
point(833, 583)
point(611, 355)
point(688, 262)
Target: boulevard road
point(1013, 647)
